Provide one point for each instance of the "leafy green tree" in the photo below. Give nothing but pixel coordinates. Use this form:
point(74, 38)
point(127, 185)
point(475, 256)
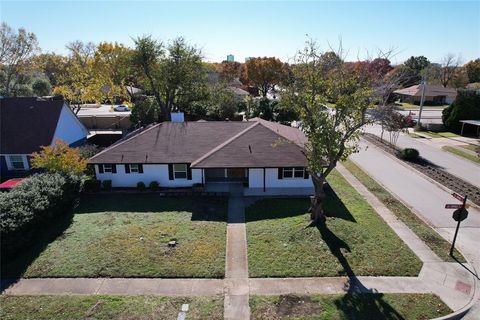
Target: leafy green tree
point(145, 112)
point(16, 48)
point(465, 107)
point(473, 70)
point(174, 74)
point(332, 133)
point(41, 87)
point(222, 103)
point(417, 64)
point(52, 65)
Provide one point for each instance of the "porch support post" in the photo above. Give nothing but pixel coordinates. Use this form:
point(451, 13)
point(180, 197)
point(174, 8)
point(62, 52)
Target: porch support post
point(264, 188)
point(203, 182)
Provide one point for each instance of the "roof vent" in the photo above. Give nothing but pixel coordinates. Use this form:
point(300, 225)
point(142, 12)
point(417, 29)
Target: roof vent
point(178, 117)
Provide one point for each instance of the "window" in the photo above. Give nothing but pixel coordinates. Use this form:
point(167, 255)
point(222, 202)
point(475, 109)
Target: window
point(297, 172)
point(17, 163)
point(107, 168)
point(134, 168)
point(180, 171)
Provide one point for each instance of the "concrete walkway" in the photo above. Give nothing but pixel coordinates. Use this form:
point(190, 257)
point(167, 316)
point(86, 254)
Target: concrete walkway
point(462, 168)
point(236, 303)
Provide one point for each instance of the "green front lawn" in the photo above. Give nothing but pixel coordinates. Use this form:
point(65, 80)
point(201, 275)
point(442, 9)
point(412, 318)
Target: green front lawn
point(432, 239)
point(107, 307)
point(459, 152)
point(348, 306)
point(356, 240)
point(128, 235)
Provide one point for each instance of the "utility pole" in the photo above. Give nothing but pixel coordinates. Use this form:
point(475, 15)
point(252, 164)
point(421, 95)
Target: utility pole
point(422, 100)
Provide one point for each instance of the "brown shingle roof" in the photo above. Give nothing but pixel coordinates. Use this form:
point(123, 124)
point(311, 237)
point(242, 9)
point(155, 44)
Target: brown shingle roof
point(430, 91)
point(254, 143)
point(27, 123)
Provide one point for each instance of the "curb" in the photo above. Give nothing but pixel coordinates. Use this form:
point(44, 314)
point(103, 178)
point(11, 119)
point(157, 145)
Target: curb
point(458, 314)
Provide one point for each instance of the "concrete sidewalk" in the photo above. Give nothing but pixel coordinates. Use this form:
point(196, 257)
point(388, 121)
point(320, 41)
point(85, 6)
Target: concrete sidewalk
point(462, 168)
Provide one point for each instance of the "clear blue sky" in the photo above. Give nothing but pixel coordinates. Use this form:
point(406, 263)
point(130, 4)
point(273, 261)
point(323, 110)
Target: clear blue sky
point(255, 28)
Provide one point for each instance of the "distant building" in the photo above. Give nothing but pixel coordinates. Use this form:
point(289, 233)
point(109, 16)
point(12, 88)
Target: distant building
point(230, 58)
point(433, 93)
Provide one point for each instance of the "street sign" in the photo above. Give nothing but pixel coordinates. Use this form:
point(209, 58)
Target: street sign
point(458, 197)
point(460, 214)
point(453, 206)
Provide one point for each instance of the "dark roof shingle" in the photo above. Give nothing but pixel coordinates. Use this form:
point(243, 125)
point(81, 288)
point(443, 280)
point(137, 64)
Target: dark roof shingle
point(27, 123)
point(254, 143)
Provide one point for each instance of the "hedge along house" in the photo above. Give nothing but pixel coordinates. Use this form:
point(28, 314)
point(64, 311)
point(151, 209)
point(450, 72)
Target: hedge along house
point(266, 157)
point(26, 124)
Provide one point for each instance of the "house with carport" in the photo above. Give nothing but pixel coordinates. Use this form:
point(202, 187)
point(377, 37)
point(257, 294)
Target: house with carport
point(266, 157)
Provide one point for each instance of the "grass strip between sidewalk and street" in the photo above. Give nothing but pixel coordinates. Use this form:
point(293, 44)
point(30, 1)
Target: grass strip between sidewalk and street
point(467, 155)
point(357, 306)
point(69, 307)
point(432, 239)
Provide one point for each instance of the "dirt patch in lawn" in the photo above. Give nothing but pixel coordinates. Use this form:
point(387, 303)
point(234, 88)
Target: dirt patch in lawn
point(295, 306)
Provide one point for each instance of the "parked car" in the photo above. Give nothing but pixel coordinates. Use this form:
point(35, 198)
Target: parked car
point(121, 108)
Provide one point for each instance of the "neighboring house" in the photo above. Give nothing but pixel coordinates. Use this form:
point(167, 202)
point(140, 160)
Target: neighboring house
point(29, 123)
point(433, 93)
point(267, 157)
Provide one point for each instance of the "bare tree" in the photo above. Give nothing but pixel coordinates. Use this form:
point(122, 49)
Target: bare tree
point(450, 64)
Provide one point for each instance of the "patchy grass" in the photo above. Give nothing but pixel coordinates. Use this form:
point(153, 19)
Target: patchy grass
point(107, 307)
point(349, 306)
point(444, 134)
point(356, 240)
point(467, 155)
point(431, 238)
point(128, 235)
point(470, 147)
point(410, 106)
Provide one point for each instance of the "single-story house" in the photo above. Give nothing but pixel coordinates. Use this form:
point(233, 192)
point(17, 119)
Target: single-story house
point(433, 93)
point(29, 123)
point(267, 157)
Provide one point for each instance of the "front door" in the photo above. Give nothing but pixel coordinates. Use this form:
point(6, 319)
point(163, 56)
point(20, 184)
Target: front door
point(236, 173)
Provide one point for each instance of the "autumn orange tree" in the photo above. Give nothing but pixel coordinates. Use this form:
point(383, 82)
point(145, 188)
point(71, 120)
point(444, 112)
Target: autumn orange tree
point(265, 73)
point(59, 158)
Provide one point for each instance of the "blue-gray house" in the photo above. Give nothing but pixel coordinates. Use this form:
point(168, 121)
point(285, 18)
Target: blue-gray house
point(28, 123)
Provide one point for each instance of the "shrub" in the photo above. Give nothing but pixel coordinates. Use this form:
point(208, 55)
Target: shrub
point(465, 107)
point(38, 199)
point(409, 154)
point(141, 186)
point(92, 185)
point(153, 185)
point(107, 184)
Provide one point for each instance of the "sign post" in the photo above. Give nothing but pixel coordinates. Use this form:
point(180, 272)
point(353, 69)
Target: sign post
point(459, 215)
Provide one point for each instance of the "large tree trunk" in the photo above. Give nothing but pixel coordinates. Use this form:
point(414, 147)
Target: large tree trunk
point(317, 215)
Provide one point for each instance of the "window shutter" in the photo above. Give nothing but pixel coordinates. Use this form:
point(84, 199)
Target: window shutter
point(305, 174)
point(170, 172)
point(127, 168)
point(114, 168)
point(189, 172)
point(100, 168)
point(140, 168)
point(280, 173)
